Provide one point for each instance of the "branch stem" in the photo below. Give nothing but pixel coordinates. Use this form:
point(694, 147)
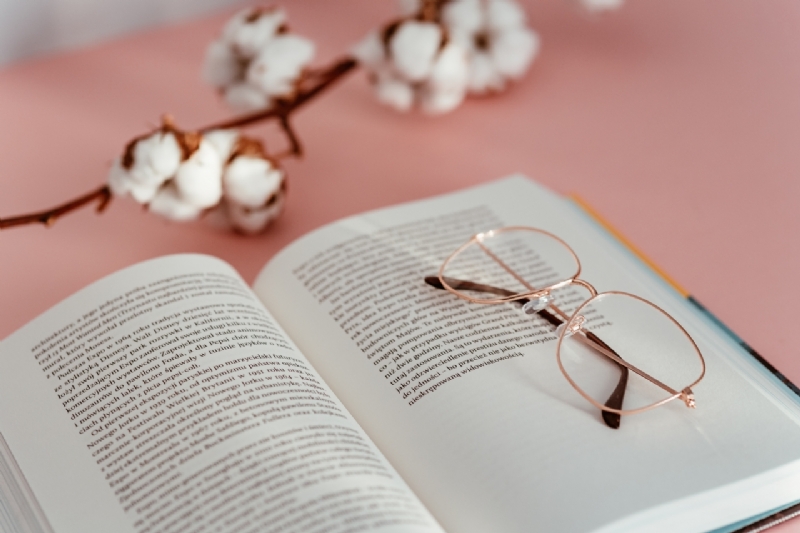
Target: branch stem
point(295, 146)
point(102, 195)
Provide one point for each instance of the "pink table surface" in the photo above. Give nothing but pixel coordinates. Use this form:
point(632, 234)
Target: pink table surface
point(679, 121)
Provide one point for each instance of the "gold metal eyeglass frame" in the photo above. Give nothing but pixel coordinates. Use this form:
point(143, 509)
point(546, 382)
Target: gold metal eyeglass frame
point(573, 325)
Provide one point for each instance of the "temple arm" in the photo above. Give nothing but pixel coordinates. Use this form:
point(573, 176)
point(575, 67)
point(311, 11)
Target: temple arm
point(614, 401)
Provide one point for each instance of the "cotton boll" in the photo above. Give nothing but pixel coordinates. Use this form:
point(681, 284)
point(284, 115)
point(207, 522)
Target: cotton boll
point(463, 17)
point(251, 221)
point(280, 63)
point(513, 51)
point(483, 76)
point(121, 184)
point(249, 32)
point(499, 45)
point(449, 72)
point(159, 153)
point(143, 193)
point(394, 92)
point(413, 48)
point(256, 60)
point(246, 97)
point(251, 181)
point(293, 52)
point(418, 66)
point(222, 67)
point(436, 100)
point(504, 14)
point(447, 85)
point(199, 178)
point(370, 52)
point(168, 203)
point(223, 141)
point(154, 159)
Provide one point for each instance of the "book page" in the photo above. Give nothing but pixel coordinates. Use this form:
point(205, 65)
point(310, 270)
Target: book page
point(165, 398)
point(467, 400)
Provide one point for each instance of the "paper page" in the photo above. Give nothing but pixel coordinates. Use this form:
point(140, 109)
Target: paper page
point(467, 400)
point(166, 398)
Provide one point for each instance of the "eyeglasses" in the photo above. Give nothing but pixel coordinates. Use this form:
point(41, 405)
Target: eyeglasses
point(612, 341)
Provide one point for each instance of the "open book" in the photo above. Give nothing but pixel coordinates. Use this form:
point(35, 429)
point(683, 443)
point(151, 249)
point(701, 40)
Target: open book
point(341, 393)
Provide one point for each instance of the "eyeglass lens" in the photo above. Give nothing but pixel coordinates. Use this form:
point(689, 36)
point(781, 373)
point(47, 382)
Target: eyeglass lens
point(643, 336)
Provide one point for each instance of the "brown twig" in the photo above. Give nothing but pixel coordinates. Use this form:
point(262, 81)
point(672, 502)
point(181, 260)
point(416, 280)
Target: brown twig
point(319, 81)
point(295, 147)
point(102, 195)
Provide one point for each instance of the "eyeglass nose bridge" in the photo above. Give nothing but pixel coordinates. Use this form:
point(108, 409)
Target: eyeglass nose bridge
point(546, 294)
point(585, 284)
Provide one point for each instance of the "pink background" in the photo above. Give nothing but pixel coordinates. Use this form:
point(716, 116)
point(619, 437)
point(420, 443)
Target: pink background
point(679, 121)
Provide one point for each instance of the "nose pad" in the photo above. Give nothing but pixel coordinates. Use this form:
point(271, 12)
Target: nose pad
point(572, 327)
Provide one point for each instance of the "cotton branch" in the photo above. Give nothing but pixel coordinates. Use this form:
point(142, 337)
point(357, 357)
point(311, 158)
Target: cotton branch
point(311, 86)
point(430, 58)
